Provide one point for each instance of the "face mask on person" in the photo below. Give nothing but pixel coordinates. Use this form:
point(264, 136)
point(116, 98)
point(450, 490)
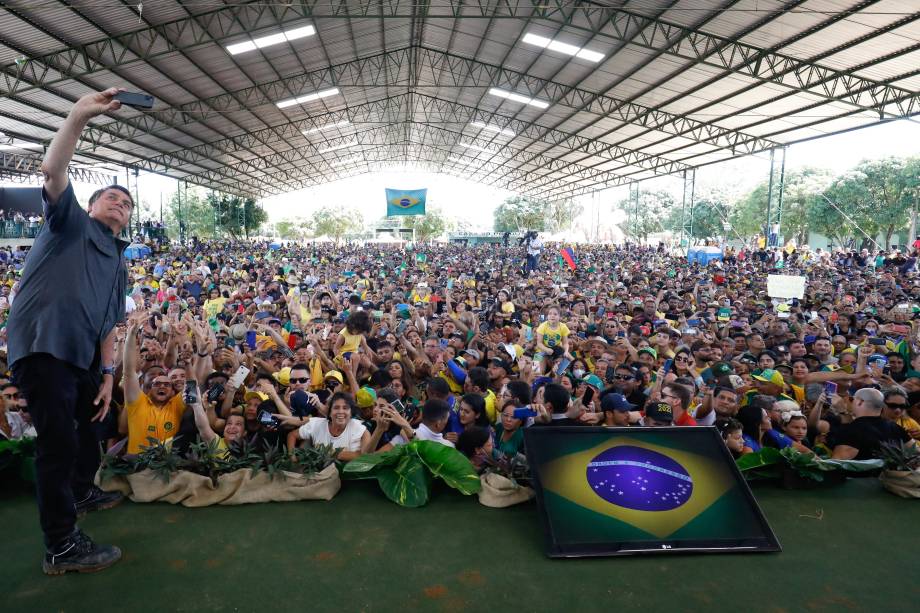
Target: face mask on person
point(578, 372)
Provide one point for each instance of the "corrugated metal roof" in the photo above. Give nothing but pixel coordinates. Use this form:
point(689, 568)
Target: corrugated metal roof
point(698, 82)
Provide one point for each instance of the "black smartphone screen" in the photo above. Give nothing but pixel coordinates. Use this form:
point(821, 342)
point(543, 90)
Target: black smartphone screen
point(135, 99)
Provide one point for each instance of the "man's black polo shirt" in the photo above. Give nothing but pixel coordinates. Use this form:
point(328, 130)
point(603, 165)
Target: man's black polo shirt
point(72, 291)
point(867, 435)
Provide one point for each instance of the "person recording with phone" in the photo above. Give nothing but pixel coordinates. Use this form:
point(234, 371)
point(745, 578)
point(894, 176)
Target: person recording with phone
point(68, 338)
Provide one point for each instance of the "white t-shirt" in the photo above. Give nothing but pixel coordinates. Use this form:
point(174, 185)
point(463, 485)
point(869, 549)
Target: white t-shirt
point(317, 432)
point(706, 421)
point(536, 245)
point(423, 433)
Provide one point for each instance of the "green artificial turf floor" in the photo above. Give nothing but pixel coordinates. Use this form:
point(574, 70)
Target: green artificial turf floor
point(849, 548)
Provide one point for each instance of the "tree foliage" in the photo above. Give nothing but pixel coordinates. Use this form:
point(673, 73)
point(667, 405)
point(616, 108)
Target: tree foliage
point(519, 213)
point(293, 228)
point(336, 223)
point(428, 226)
point(188, 214)
point(802, 189)
point(653, 210)
point(561, 214)
point(711, 209)
point(234, 215)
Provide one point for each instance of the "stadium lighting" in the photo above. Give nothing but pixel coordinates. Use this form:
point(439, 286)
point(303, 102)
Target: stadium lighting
point(308, 98)
point(328, 126)
point(337, 147)
point(15, 146)
point(501, 93)
point(271, 39)
point(491, 128)
point(555, 45)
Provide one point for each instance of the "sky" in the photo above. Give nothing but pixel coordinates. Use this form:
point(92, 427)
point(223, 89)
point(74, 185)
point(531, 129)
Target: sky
point(476, 202)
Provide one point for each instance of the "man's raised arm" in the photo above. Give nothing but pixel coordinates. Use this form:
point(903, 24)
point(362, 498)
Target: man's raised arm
point(61, 150)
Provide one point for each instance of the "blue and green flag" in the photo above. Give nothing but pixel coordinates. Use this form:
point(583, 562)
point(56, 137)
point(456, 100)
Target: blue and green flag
point(406, 201)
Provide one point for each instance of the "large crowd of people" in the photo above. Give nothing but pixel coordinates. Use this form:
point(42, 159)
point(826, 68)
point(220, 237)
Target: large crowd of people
point(366, 347)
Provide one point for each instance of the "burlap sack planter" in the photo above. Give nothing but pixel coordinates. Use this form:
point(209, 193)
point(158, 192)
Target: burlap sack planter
point(499, 492)
point(904, 483)
point(239, 487)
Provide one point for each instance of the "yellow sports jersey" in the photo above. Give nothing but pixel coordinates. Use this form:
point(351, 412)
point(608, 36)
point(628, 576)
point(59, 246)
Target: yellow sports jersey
point(146, 420)
point(553, 336)
point(214, 306)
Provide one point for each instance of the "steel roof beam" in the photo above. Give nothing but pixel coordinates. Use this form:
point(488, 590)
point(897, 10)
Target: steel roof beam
point(15, 166)
point(429, 109)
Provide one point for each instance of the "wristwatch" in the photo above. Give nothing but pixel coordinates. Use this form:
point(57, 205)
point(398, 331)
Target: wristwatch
point(108, 370)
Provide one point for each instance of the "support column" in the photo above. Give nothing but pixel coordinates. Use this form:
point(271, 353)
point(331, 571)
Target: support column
point(775, 189)
point(687, 208)
point(137, 202)
point(634, 195)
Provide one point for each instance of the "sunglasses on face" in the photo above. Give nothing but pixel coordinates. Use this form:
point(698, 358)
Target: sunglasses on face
point(896, 405)
point(301, 380)
point(623, 377)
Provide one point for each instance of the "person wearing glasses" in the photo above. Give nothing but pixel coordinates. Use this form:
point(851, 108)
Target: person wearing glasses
point(61, 329)
point(679, 397)
point(14, 422)
point(152, 412)
point(896, 405)
point(627, 381)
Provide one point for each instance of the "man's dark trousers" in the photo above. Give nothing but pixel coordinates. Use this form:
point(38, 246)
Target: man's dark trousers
point(60, 398)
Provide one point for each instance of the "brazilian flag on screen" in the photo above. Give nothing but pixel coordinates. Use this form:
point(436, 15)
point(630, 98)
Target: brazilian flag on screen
point(645, 487)
point(406, 201)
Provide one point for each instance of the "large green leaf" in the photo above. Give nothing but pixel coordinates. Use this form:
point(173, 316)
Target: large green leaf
point(407, 484)
point(450, 465)
point(759, 459)
point(368, 466)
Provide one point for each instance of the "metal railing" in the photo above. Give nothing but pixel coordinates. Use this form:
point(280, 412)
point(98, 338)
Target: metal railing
point(24, 229)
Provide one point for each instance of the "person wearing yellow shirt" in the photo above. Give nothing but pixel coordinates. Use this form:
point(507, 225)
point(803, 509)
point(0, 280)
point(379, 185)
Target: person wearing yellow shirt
point(151, 413)
point(477, 382)
point(552, 333)
point(214, 304)
point(422, 294)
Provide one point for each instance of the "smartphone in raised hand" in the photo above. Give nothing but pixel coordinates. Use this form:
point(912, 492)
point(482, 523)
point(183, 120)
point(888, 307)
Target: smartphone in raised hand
point(238, 377)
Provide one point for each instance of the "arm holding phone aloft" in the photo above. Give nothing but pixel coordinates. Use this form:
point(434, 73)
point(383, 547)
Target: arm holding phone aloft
point(205, 431)
point(64, 143)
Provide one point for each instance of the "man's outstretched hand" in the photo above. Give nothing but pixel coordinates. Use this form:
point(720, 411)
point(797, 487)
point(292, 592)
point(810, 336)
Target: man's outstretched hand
point(93, 105)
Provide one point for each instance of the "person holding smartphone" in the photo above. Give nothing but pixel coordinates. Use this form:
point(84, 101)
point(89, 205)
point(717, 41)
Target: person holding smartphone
point(68, 338)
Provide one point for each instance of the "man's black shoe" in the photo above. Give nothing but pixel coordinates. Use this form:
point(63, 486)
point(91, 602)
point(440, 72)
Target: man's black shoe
point(78, 553)
point(97, 500)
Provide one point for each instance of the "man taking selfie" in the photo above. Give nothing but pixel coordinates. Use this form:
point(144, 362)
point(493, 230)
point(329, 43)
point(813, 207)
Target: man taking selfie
point(62, 343)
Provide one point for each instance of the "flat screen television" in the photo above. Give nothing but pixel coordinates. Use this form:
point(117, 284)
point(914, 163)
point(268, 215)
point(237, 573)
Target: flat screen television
point(622, 491)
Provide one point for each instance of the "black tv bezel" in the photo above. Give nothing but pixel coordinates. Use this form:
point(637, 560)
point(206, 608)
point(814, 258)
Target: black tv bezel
point(766, 544)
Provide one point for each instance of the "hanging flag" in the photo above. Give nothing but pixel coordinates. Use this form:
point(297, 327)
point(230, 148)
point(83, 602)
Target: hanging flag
point(406, 201)
point(568, 256)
